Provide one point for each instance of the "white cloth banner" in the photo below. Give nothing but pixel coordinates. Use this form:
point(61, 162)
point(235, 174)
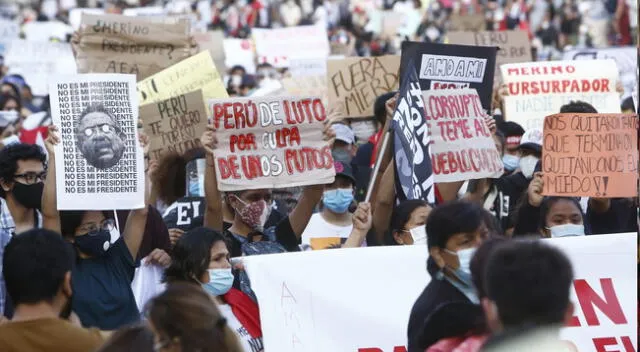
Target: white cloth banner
point(301, 67)
point(278, 46)
point(38, 61)
point(360, 299)
point(626, 60)
point(539, 89)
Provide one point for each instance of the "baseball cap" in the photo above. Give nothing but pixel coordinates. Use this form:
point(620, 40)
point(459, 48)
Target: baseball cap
point(512, 133)
point(344, 169)
point(532, 139)
point(344, 133)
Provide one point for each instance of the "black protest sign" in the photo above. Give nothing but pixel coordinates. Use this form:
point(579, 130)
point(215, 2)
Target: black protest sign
point(185, 214)
point(447, 66)
point(414, 174)
point(175, 124)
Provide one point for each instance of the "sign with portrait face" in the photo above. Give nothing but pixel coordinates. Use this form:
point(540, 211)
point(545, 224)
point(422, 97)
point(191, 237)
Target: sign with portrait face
point(100, 165)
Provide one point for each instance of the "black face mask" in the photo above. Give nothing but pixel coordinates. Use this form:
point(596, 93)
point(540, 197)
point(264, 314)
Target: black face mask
point(30, 196)
point(94, 245)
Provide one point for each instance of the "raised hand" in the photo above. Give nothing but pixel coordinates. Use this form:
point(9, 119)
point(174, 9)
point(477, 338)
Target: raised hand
point(535, 190)
point(53, 139)
point(209, 140)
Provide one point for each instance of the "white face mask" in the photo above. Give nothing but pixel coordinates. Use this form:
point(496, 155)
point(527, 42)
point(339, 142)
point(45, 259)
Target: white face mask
point(566, 230)
point(419, 235)
point(528, 165)
point(363, 130)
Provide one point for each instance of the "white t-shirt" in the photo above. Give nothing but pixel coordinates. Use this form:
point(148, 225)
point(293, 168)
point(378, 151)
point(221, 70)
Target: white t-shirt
point(249, 344)
point(320, 234)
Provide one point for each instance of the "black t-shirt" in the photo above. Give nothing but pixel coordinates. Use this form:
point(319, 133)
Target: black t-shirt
point(510, 189)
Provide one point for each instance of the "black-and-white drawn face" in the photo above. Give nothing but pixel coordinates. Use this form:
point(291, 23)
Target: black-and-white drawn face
point(100, 140)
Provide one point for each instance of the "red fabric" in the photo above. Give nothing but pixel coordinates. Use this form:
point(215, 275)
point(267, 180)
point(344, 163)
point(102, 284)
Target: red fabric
point(245, 310)
point(30, 136)
point(374, 139)
point(459, 344)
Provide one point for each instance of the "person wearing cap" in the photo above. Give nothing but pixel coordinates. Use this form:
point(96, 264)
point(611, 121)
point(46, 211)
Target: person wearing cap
point(345, 139)
point(513, 135)
point(332, 226)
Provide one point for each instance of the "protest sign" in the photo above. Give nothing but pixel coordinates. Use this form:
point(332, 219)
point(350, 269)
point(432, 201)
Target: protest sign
point(538, 89)
point(306, 85)
point(355, 83)
point(590, 155)
point(626, 59)
point(301, 67)
point(196, 72)
point(123, 44)
point(277, 46)
point(513, 46)
point(467, 22)
point(298, 308)
point(36, 31)
point(448, 66)
point(75, 16)
point(38, 61)
point(9, 30)
point(271, 142)
point(174, 124)
point(213, 42)
point(239, 52)
point(463, 148)
point(99, 163)
point(185, 214)
point(414, 173)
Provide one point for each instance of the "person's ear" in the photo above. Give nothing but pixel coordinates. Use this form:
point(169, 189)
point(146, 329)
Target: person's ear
point(434, 252)
point(6, 185)
point(66, 285)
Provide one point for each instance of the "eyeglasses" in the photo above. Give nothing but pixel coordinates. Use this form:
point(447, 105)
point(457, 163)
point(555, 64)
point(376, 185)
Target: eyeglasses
point(32, 177)
point(92, 229)
point(104, 128)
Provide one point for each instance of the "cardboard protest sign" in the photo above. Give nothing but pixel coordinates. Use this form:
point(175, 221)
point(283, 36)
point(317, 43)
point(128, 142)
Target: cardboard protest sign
point(626, 59)
point(411, 140)
point(298, 308)
point(448, 66)
point(123, 44)
point(185, 214)
point(213, 42)
point(513, 46)
point(174, 124)
point(196, 72)
point(463, 148)
point(37, 62)
point(75, 16)
point(99, 163)
point(538, 89)
point(590, 155)
point(9, 30)
point(147, 11)
point(470, 23)
point(239, 52)
point(355, 83)
point(271, 142)
point(306, 85)
point(277, 46)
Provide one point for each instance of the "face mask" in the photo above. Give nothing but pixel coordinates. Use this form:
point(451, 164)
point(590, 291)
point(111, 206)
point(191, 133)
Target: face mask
point(194, 189)
point(254, 214)
point(236, 80)
point(30, 196)
point(527, 165)
point(338, 200)
point(510, 162)
point(566, 230)
point(363, 129)
point(419, 235)
point(463, 273)
point(220, 281)
point(94, 245)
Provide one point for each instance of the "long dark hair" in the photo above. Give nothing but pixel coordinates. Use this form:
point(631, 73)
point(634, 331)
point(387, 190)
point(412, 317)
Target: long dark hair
point(191, 254)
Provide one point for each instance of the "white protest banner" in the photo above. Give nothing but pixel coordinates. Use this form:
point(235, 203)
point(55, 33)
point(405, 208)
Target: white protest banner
point(277, 46)
point(99, 163)
point(271, 142)
point(462, 148)
point(44, 31)
point(9, 30)
point(539, 89)
point(239, 52)
point(626, 59)
point(301, 67)
point(38, 61)
point(75, 16)
point(311, 301)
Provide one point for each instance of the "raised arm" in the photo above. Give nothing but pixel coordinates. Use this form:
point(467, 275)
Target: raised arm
point(361, 226)
point(384, 202)
point(134, 229)
point(50, 214)
point(213, 214)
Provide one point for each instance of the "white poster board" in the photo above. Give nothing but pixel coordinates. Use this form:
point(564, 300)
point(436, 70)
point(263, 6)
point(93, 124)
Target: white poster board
point(278, 46)
point(626, 59)
point(335, 300)
point(99, 163)
point(239, 52)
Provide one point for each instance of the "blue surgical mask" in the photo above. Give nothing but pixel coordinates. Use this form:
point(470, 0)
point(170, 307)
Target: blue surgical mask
point(220, 281)
point(338, 200)
point(511, 162)
point(194, 189)
point(566, 230)
point(463, 273)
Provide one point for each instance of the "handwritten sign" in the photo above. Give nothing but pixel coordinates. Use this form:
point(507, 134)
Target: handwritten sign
point(196, 72)
point(277, 46)
point(37, 62)
point(513, 46)
point(626, 59)
point(123, 44)
point(448, 66)
point(462, 148)
point(301, 67)
point(590, 155)
point(271, 142)
point(174, 124)
point(537, 89)
point(239, 52)
point(355, 83)
point(306, 85)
